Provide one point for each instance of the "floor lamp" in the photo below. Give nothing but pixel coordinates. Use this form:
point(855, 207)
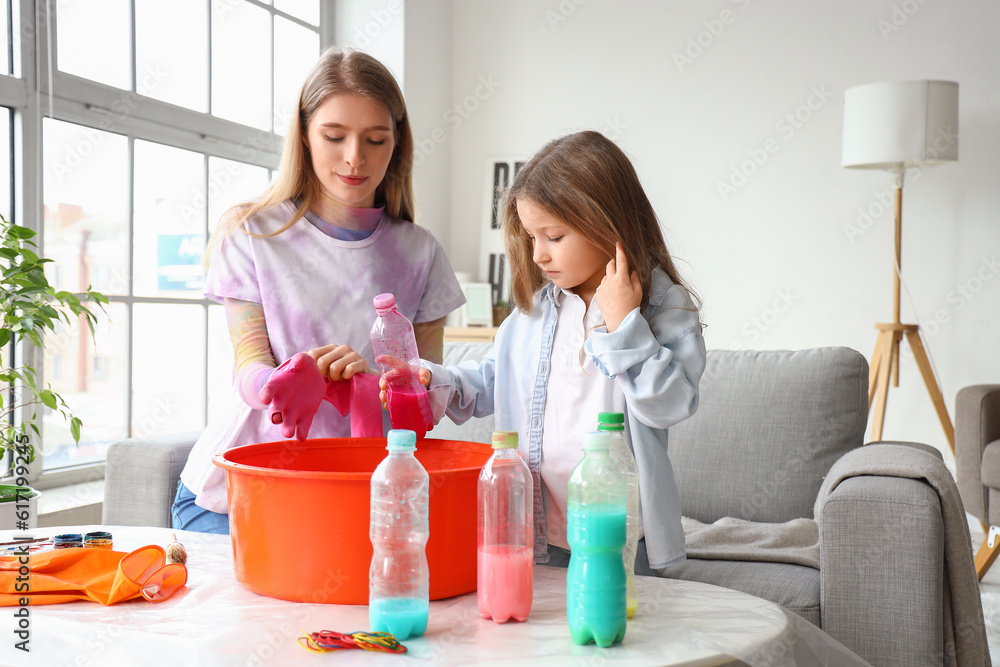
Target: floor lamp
point(899, 126)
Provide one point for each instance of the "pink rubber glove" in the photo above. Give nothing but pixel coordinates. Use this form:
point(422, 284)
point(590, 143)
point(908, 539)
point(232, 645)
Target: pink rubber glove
point(294, 393)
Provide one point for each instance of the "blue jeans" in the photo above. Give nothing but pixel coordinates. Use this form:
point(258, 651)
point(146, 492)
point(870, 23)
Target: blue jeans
point(188, 516)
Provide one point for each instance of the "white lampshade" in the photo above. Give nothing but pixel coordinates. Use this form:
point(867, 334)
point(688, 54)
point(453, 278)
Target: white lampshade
point(901, 124)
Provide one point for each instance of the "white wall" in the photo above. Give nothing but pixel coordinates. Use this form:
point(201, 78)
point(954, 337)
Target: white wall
point(774, 261)
point(427, 86)
point(414, 41)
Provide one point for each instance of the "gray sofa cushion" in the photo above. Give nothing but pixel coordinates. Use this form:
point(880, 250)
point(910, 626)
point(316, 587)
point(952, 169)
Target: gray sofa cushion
point(769, 426)
point(977, 424)
point(141, 479)
point(795, 587)
point(990, 473)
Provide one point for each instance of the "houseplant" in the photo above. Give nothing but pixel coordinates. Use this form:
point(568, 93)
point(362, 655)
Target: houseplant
point(29, 307)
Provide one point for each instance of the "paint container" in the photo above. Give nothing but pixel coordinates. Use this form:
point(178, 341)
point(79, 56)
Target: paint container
point(67, 541)
point(97, 540)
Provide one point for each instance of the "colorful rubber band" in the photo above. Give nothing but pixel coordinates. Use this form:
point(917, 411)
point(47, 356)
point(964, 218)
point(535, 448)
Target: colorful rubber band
point(326, 641)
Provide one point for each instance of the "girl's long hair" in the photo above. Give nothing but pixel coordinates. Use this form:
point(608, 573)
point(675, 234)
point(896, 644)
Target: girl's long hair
point(588, 183)
point(337, 71)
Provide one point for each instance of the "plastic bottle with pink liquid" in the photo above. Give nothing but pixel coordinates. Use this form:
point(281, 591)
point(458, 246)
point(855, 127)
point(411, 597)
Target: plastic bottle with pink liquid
point(504, 534)
point(399, 363)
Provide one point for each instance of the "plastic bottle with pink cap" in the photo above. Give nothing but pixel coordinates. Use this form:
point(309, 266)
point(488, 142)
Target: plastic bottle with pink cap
point(399, 363)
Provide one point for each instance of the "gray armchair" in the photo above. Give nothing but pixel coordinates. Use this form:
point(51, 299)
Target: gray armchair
point(977, 463)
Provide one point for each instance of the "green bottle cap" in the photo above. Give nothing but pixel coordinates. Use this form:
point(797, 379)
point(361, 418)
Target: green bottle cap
point(610, 421)
point(504, 439)
point(401, 440)
point(596, 441)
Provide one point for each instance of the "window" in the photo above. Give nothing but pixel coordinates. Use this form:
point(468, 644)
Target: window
point(145, 141)
point(7, 161)
point(7, 41)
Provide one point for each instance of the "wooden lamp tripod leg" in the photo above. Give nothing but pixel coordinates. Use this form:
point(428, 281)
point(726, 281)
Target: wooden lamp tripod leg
point(924, 364)
point(878, 378)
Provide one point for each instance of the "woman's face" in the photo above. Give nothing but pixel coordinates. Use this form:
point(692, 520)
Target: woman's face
point(350, 141)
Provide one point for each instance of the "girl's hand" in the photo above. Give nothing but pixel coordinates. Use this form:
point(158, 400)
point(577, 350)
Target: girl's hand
point(423, 374)
point(620, 292)
point(339, 362)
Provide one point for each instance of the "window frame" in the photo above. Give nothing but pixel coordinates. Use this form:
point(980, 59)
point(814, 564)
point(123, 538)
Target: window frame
point(96, 105)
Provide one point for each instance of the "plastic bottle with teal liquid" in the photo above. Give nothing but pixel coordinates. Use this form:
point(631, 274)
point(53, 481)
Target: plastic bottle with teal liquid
point(399, 579)
point(621, 454)
point(595, 580)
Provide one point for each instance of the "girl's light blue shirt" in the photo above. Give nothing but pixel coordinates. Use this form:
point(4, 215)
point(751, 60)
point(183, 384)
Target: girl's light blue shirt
point(657, 356)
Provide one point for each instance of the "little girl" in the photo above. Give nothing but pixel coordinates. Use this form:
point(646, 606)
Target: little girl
point(603, 324)
point(297, 270)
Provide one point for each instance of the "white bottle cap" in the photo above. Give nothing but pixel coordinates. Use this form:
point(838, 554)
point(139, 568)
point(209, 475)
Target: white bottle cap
point(596, 441)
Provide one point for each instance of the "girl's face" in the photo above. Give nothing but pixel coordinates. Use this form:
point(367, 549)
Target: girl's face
point(350, 141)
point(569, 260)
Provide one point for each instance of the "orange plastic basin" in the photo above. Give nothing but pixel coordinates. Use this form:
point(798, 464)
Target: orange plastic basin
point(298, 516)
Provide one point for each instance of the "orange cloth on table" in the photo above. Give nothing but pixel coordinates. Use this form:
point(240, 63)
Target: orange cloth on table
point(101, 575)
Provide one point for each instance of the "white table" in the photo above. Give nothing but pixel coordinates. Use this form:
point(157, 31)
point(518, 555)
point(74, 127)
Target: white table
point(216, 621)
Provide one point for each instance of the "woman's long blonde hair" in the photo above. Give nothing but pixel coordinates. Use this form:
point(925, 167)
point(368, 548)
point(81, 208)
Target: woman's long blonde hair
point(337, 71)
point(588, 183)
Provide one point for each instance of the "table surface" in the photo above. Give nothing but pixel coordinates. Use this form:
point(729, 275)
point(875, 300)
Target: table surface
point(215, 621)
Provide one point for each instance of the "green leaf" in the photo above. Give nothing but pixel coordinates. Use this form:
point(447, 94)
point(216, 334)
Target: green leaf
point(19, 232)
point(74, 429)
point(47, 398)
point(5, 337)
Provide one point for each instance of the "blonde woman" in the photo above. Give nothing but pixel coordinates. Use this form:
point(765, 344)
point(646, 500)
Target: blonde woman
point(298, 267)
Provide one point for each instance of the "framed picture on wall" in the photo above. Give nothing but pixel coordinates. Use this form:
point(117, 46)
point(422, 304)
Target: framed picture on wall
point(493, 263)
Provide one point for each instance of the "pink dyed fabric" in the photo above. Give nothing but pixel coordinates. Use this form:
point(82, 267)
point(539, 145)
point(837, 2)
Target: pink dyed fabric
point(358, 397)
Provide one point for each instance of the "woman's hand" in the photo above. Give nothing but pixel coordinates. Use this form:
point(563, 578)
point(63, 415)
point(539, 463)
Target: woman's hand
point(620, 292)
point(339, 362)
point(423, 374)
point(293, 395)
